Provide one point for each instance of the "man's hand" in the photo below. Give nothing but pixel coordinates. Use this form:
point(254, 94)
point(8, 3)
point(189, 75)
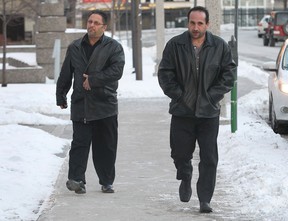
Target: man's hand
point(86, 84)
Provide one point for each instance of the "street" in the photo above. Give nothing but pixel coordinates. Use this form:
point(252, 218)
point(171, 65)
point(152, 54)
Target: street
point(250, 47)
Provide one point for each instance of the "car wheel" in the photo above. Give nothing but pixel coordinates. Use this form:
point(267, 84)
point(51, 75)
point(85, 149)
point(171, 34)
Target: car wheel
point(265, 40)
point(274, 122)
point(285, 28)
point(270, 108)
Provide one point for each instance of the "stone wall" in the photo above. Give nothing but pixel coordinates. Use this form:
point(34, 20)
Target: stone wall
point(24, 75)
point(50, 25)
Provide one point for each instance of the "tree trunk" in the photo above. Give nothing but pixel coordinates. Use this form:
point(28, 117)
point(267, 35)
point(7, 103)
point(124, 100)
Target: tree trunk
point(72, 12)
point(4, 29)
point(112, 21)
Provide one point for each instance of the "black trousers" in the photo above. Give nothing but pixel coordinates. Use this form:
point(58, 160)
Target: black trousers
point(103, 134)
point(184, 133)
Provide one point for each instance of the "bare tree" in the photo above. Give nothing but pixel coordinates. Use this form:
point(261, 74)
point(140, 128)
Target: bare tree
point(285, 4)
point(10, 10)
point(115, 14)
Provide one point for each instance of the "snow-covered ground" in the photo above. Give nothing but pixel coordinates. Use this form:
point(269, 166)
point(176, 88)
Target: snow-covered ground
point(254, 158)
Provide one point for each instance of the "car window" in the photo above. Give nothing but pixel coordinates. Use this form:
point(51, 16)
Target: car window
point(279, 57)
point(281, 19)
point(285, 60)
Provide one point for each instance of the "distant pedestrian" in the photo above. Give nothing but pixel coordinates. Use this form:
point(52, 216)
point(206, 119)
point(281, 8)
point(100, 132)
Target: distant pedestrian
point(196, 71)
point(93, 64)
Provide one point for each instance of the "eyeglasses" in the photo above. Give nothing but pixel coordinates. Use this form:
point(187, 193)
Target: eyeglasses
point(96, 23)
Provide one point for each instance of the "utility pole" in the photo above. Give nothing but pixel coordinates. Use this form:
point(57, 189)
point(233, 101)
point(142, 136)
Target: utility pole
point(136, 38)
point(160, 31)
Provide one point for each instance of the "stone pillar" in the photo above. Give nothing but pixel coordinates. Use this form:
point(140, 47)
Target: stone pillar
point(160, 29)
point(214, 8)
point(51, 25)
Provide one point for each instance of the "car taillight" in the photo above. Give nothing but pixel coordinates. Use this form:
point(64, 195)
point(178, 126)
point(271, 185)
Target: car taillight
point(283, 86)
point(278, 30)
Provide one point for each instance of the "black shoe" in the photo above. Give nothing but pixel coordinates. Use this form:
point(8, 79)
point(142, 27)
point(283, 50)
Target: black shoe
point(185, 190)
point(205, 207)
point(107, 189)
point(76, 186)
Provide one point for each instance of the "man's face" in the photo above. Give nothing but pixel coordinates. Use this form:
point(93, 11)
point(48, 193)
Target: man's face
point(95, 26)
point(197, 25)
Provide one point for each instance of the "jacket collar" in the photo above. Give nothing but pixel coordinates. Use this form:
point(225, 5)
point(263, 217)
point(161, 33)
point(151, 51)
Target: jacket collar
point(104, 40)
point(85, 39)
point(185, 38)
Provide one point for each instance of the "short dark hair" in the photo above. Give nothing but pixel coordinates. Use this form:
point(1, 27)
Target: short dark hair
point(101, 13)
point(201, 9)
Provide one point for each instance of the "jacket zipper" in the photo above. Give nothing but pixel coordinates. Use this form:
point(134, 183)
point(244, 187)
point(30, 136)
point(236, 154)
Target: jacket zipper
point(85, 101)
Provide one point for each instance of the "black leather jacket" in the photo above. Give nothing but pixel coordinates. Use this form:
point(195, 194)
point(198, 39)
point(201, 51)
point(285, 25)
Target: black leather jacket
point(192, 95)
point(104, 68)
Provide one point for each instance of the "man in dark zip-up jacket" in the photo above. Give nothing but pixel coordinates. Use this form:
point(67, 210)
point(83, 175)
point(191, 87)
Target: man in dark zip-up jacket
point(196, 71)
point(95, 63)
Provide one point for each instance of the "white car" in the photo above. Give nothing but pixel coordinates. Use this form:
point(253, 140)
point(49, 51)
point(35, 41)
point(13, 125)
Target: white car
point(262, 25)
point(278, 91)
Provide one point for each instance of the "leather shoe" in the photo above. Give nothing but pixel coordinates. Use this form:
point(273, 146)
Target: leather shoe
point(76, 186)
point(205, 207)
point(107, 189)
point(185, 190)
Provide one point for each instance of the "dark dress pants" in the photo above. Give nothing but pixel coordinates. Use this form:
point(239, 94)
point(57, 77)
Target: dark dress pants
point(103, 134)
point(184, 133)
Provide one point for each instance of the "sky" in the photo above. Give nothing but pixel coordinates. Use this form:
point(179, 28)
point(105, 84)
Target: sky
point(254, 158)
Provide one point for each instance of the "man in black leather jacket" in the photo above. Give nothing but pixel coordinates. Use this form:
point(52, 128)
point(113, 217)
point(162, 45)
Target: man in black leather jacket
point(95, 63)
point(196, 71)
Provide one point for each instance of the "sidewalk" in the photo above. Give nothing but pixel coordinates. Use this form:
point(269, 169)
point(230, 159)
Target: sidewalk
point(145, 184)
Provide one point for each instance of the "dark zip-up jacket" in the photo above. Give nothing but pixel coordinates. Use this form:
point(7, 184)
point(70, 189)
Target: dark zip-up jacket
point(105, 68)
point(192, 95)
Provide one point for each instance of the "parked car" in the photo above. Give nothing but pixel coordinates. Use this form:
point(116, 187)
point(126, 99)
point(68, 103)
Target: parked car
point(277, 30)
point(262, 25)
point(278, 91)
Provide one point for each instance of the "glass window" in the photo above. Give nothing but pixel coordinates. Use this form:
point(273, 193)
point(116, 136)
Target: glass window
point(282, 18)
point(285, 60)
